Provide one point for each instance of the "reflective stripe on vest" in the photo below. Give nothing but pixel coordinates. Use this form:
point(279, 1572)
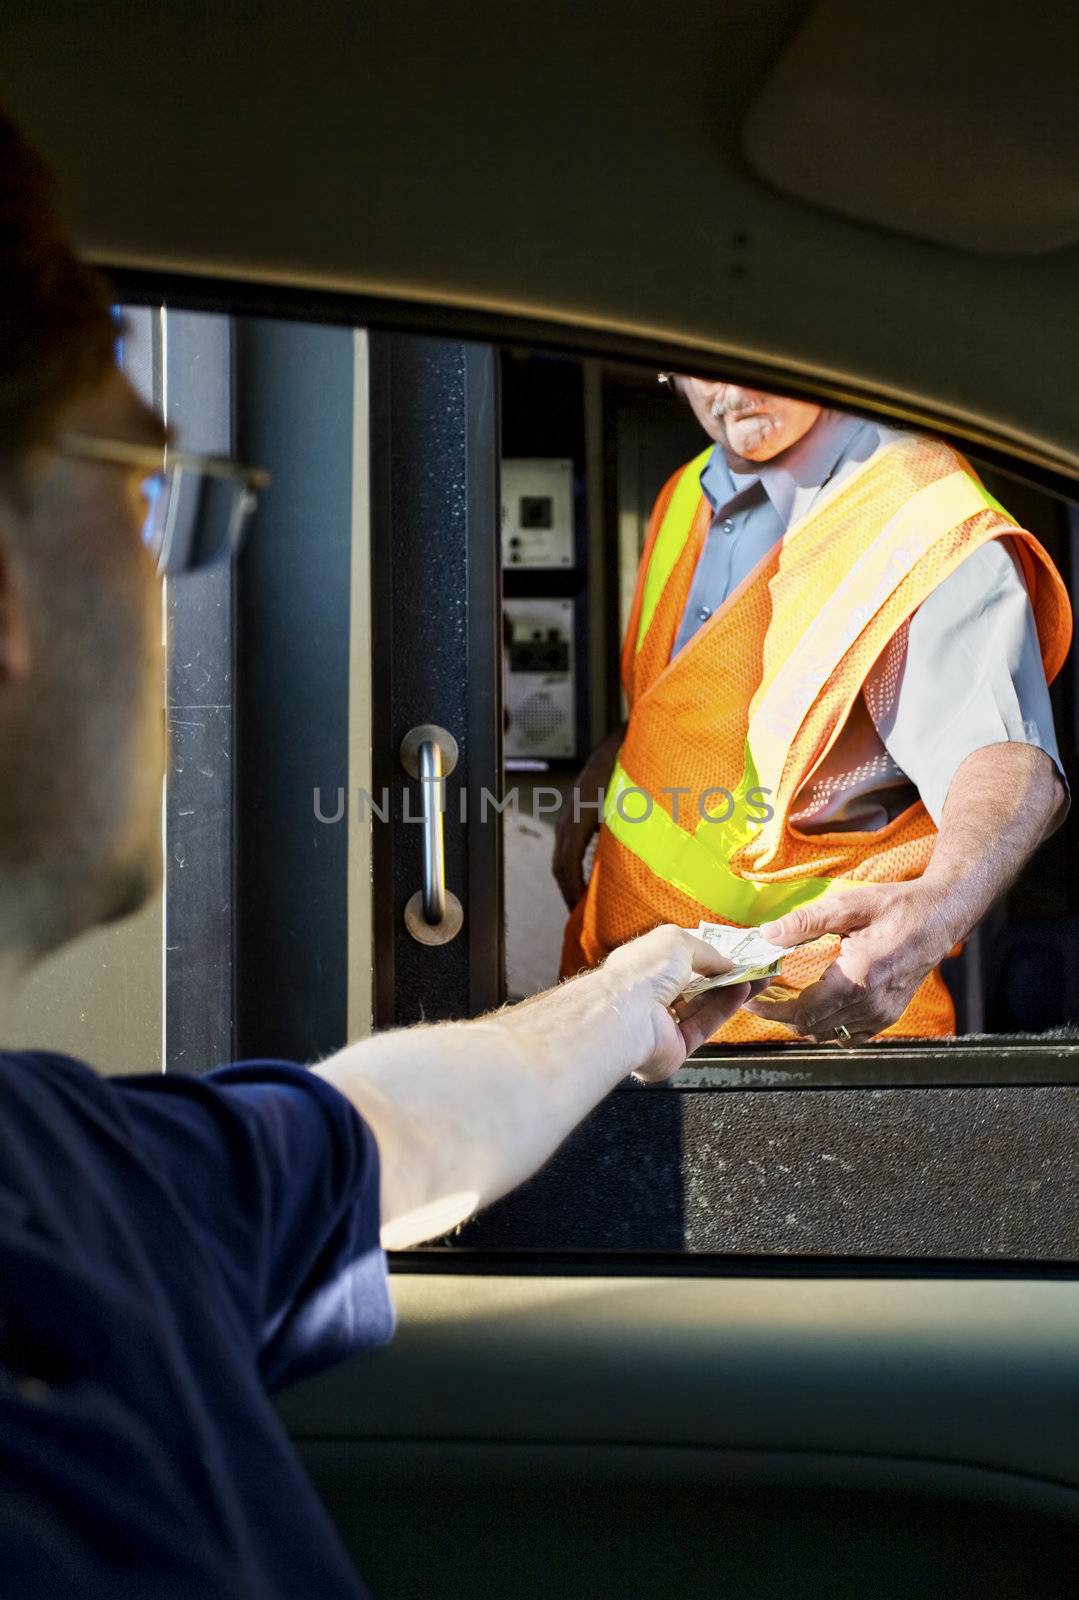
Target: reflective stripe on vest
point(696, 863)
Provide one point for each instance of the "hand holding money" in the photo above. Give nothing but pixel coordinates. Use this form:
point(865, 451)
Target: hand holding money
point(753, 956)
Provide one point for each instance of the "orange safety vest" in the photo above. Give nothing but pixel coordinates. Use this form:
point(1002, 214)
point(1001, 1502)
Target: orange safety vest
point(742, 717)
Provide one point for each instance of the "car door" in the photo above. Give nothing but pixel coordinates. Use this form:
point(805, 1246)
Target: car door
point(790, 1326)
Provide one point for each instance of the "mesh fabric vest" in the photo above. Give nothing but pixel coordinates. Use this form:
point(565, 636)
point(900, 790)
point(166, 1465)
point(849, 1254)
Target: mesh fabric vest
point(732, 728)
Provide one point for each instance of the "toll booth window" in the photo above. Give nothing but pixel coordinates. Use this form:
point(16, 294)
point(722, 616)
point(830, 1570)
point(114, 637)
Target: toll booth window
point(700, 655)
point(768, 717)
point(662, 648)
point(743, 649)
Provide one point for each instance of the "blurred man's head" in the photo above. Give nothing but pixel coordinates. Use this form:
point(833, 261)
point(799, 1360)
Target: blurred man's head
point(81, 718)
point(751, 425)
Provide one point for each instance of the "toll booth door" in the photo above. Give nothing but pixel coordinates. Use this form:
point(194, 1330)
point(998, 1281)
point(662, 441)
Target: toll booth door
point(436, 680)
point(367, 654)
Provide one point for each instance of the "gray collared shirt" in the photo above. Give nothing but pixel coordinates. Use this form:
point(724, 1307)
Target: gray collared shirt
point(964, 672)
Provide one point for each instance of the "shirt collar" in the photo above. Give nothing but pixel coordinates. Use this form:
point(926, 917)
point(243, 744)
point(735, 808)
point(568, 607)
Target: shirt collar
point(806, 465)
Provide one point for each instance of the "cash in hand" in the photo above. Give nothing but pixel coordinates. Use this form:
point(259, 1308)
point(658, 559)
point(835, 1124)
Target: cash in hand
point(753, 955)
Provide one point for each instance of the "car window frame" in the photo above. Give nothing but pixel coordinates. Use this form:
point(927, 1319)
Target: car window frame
point(960, 1061)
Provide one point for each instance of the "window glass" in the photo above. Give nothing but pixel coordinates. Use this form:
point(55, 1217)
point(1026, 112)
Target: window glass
point(596, 540)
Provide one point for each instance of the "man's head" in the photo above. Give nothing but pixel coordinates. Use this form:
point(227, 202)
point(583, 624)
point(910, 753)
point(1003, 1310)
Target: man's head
point(81, 716)
point(751, 425)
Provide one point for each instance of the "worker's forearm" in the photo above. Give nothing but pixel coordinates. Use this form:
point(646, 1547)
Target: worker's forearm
point(1003, 801)
point(463, 1112)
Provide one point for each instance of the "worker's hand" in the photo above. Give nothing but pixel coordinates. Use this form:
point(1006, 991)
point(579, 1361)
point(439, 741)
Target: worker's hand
point(646, 978)
point(893, 935)
point(580, 818)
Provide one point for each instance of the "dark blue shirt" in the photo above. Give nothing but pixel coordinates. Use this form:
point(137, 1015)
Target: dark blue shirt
point(173, 1249)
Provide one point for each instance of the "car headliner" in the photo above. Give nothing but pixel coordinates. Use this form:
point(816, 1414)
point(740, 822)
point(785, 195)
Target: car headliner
point(582, 166)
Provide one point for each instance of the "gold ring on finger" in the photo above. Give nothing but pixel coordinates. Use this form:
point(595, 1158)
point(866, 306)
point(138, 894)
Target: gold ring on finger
point(842, 1034)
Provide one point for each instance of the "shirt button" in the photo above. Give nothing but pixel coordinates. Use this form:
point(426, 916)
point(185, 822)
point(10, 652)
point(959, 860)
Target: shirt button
point(728, 526)
point(703, 613)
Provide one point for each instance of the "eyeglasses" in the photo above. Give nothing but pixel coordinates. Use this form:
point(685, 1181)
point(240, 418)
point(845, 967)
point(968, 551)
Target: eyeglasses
point(669, 380)
point(198, 506)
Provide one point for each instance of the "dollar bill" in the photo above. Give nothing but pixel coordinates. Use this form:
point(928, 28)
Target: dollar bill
point(753, 955)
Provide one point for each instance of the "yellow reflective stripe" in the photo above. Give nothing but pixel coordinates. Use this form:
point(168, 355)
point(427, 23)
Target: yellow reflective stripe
point(696, 863)
point(671, 539)
point(840, 616)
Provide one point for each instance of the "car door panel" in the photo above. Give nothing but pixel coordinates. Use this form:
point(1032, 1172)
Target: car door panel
point(768, 1436)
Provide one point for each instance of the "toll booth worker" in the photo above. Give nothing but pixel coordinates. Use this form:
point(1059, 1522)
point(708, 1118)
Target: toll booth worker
point(174, 1248)
point(836, 669)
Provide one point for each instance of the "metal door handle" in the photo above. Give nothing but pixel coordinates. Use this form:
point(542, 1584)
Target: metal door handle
point(433, 915)
point(434, 837)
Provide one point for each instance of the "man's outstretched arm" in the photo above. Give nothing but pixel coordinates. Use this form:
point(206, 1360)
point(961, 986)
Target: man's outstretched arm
point(464, 1111)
